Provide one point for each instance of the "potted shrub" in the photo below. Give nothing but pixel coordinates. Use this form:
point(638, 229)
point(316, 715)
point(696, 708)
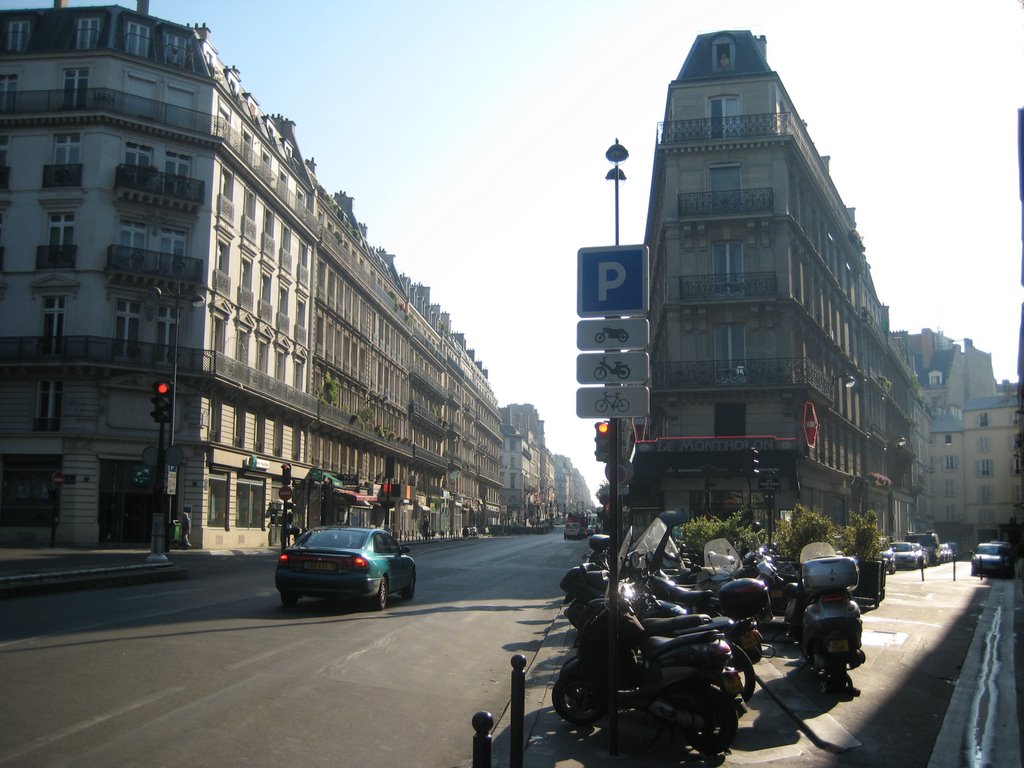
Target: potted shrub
point(805, 527)
point(860, 539)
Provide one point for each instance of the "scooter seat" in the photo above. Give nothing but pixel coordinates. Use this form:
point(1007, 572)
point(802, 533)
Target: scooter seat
point(671, 625)
point(654, 647)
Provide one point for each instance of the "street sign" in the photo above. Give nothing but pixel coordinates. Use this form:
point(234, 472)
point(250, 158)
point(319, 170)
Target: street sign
point(284, 493)
point(149, 455)
point(171, 482)
point(612, 281)
point(768, 483)
point(57, 478)
point(625, 472)
point(617, 333)
point(612, 402)
point(613, 367)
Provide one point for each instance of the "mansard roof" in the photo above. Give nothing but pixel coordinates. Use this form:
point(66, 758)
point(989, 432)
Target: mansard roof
point(747, 56)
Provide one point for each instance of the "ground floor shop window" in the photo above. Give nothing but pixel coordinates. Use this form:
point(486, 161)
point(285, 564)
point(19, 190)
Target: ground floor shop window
point(249, 495)
point(27, 490)
point(217, 513)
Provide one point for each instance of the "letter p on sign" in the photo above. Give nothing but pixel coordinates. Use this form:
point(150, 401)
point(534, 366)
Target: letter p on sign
point(610, 275)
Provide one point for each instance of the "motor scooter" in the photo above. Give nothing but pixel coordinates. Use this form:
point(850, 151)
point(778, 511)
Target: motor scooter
point(824, 619)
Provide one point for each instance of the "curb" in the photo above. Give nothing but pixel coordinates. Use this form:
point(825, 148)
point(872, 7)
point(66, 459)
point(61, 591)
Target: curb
point(28, 584)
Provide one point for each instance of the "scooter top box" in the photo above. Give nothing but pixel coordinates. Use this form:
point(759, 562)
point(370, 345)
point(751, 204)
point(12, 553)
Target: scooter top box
point(830, 573)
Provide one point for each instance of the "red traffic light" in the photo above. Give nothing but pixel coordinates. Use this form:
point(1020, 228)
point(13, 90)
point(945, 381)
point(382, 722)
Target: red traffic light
point(603, 441)
point(162, 388)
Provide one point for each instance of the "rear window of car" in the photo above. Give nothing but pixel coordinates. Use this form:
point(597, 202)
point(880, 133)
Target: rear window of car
point(335, 539)
point(989, 549)
point(901, 546)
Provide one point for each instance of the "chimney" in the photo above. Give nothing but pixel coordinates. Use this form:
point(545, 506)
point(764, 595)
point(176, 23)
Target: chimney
point(762, 46)
point(144, 7)
point(60, 3)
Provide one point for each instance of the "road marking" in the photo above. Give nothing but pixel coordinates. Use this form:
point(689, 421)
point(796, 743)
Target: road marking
point(71, 730)
point(268, 654)
point(151, 595)
point(881, 620)
point(880, 639)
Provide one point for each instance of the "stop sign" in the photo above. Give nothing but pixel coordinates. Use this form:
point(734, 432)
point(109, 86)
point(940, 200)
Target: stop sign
point(285, 493)
point(57, 478)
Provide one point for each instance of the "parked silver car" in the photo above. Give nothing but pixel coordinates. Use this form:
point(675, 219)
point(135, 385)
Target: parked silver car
point(908, 554)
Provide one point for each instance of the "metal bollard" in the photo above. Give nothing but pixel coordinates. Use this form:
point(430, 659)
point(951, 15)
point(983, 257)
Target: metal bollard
point(518, 711)
point(923, 564)
point(482, 724)
point(156, 553)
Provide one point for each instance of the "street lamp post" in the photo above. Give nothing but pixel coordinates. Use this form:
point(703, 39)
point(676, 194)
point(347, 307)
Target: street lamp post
point(174, 457)
point(615, 154)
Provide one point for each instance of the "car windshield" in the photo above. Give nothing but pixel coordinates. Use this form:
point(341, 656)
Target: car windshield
point(987, 549)
point(333, 538)
point(902, 546)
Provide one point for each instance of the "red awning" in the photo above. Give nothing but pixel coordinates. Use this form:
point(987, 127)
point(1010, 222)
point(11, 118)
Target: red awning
point(356, 499)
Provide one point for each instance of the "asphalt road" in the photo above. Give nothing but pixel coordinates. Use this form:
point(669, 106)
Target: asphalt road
point(213, 671)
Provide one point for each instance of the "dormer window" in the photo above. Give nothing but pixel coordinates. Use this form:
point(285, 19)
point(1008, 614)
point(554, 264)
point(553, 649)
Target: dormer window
point(723, 51)
point(175, 49)
point(17, 35)
point(87, 33)
point(136, 39)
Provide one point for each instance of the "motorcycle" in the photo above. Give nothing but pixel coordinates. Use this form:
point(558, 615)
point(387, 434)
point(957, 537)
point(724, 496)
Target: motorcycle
point(602, 370)
point(683, 681)
point(823, 617)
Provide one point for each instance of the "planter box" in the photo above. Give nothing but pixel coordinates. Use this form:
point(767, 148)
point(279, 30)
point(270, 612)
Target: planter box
point(870, 589)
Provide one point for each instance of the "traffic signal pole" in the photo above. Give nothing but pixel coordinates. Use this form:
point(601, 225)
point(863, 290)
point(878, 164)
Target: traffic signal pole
point(613, 588)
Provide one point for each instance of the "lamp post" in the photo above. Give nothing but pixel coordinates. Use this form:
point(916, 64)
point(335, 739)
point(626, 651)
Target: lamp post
point(174, 457)
point(615, 155)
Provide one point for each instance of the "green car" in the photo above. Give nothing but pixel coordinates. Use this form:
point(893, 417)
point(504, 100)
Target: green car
point(345, 563)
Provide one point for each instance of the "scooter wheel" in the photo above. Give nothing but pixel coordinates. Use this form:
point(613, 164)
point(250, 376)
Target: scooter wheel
point(577, 700)
point(743, 665)
point(717, 712)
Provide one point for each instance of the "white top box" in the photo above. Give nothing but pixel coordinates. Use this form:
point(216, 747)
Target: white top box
point(830, 573)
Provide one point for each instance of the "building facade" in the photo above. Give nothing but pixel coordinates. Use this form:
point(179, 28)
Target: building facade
point(775, 379)
point(158, 225)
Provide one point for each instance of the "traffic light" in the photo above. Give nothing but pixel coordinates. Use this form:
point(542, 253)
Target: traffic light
point(603, 441)
point(162, 399)
point(286, 474)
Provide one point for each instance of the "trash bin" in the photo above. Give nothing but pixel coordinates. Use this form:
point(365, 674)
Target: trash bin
point(175, 532)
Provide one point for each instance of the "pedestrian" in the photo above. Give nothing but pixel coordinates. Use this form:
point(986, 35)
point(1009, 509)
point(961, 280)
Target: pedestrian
point(186, 528)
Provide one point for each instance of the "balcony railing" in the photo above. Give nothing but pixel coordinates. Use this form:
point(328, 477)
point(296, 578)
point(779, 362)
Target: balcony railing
point(56, 256)
point(742, 285)
point(265, 310)
point(67, 175)
point(156, 183)
point(222, 282)
point(139, 261)
point(245, 297)
point(737, 127)
point(726, 202)
point(781, 371)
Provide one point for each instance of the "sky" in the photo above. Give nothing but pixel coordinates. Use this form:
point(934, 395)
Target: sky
point(472, 137)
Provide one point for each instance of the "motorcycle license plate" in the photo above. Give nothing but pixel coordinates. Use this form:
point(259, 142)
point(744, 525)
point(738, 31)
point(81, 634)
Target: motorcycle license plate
point(732, 683)
point(749, 640)
point(776, 593)
point(838, 646)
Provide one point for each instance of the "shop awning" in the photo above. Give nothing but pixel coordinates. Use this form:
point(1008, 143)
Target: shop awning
point(355, 499)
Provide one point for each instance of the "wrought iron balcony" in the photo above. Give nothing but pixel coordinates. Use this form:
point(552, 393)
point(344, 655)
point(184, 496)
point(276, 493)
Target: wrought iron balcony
point(760, 372)
point(742, 285)
point(123, 258)
point(67, 175)
point(98, 350)
point(724, 203)
point(56, 256)
point(149, 185)
point(736, 127)
point(245, 297)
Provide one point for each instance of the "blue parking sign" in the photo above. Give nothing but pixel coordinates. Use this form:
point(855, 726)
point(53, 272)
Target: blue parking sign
point(612, 281)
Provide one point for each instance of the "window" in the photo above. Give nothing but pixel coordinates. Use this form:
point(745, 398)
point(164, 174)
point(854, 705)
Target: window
point(982, 419)
point(138, 154)
point(17, 35)
point(240, 419)
point(723, 111)
point(48, 405)
point(724, 185)
point(280, 365)
point(947, 440)
point(949, 463)
point(217, 512)
point(136, 39)
point(262, 355)
point(985, 467)
point(983, 445)
point(177, 164)
point(8, 90)
point(62, 229)
point(127, 317)
point(173, 241)
point(935, 379)
point(67, 149)
point(261, 432)
point(949, 487)
point(76, 88)
point(166, 323)
point(730, 353)
point(985, 494)
point(87, 33)
point(224, 256)
point(727, 265)
point(175, 49)
point(133, 237)
point(723, 51)
point(53, 323)
point(227, 184)
point(242, 348)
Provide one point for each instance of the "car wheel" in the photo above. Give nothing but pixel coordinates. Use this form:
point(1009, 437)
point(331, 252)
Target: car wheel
point(380, 600)
point(289, 599)
point(410, 591)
